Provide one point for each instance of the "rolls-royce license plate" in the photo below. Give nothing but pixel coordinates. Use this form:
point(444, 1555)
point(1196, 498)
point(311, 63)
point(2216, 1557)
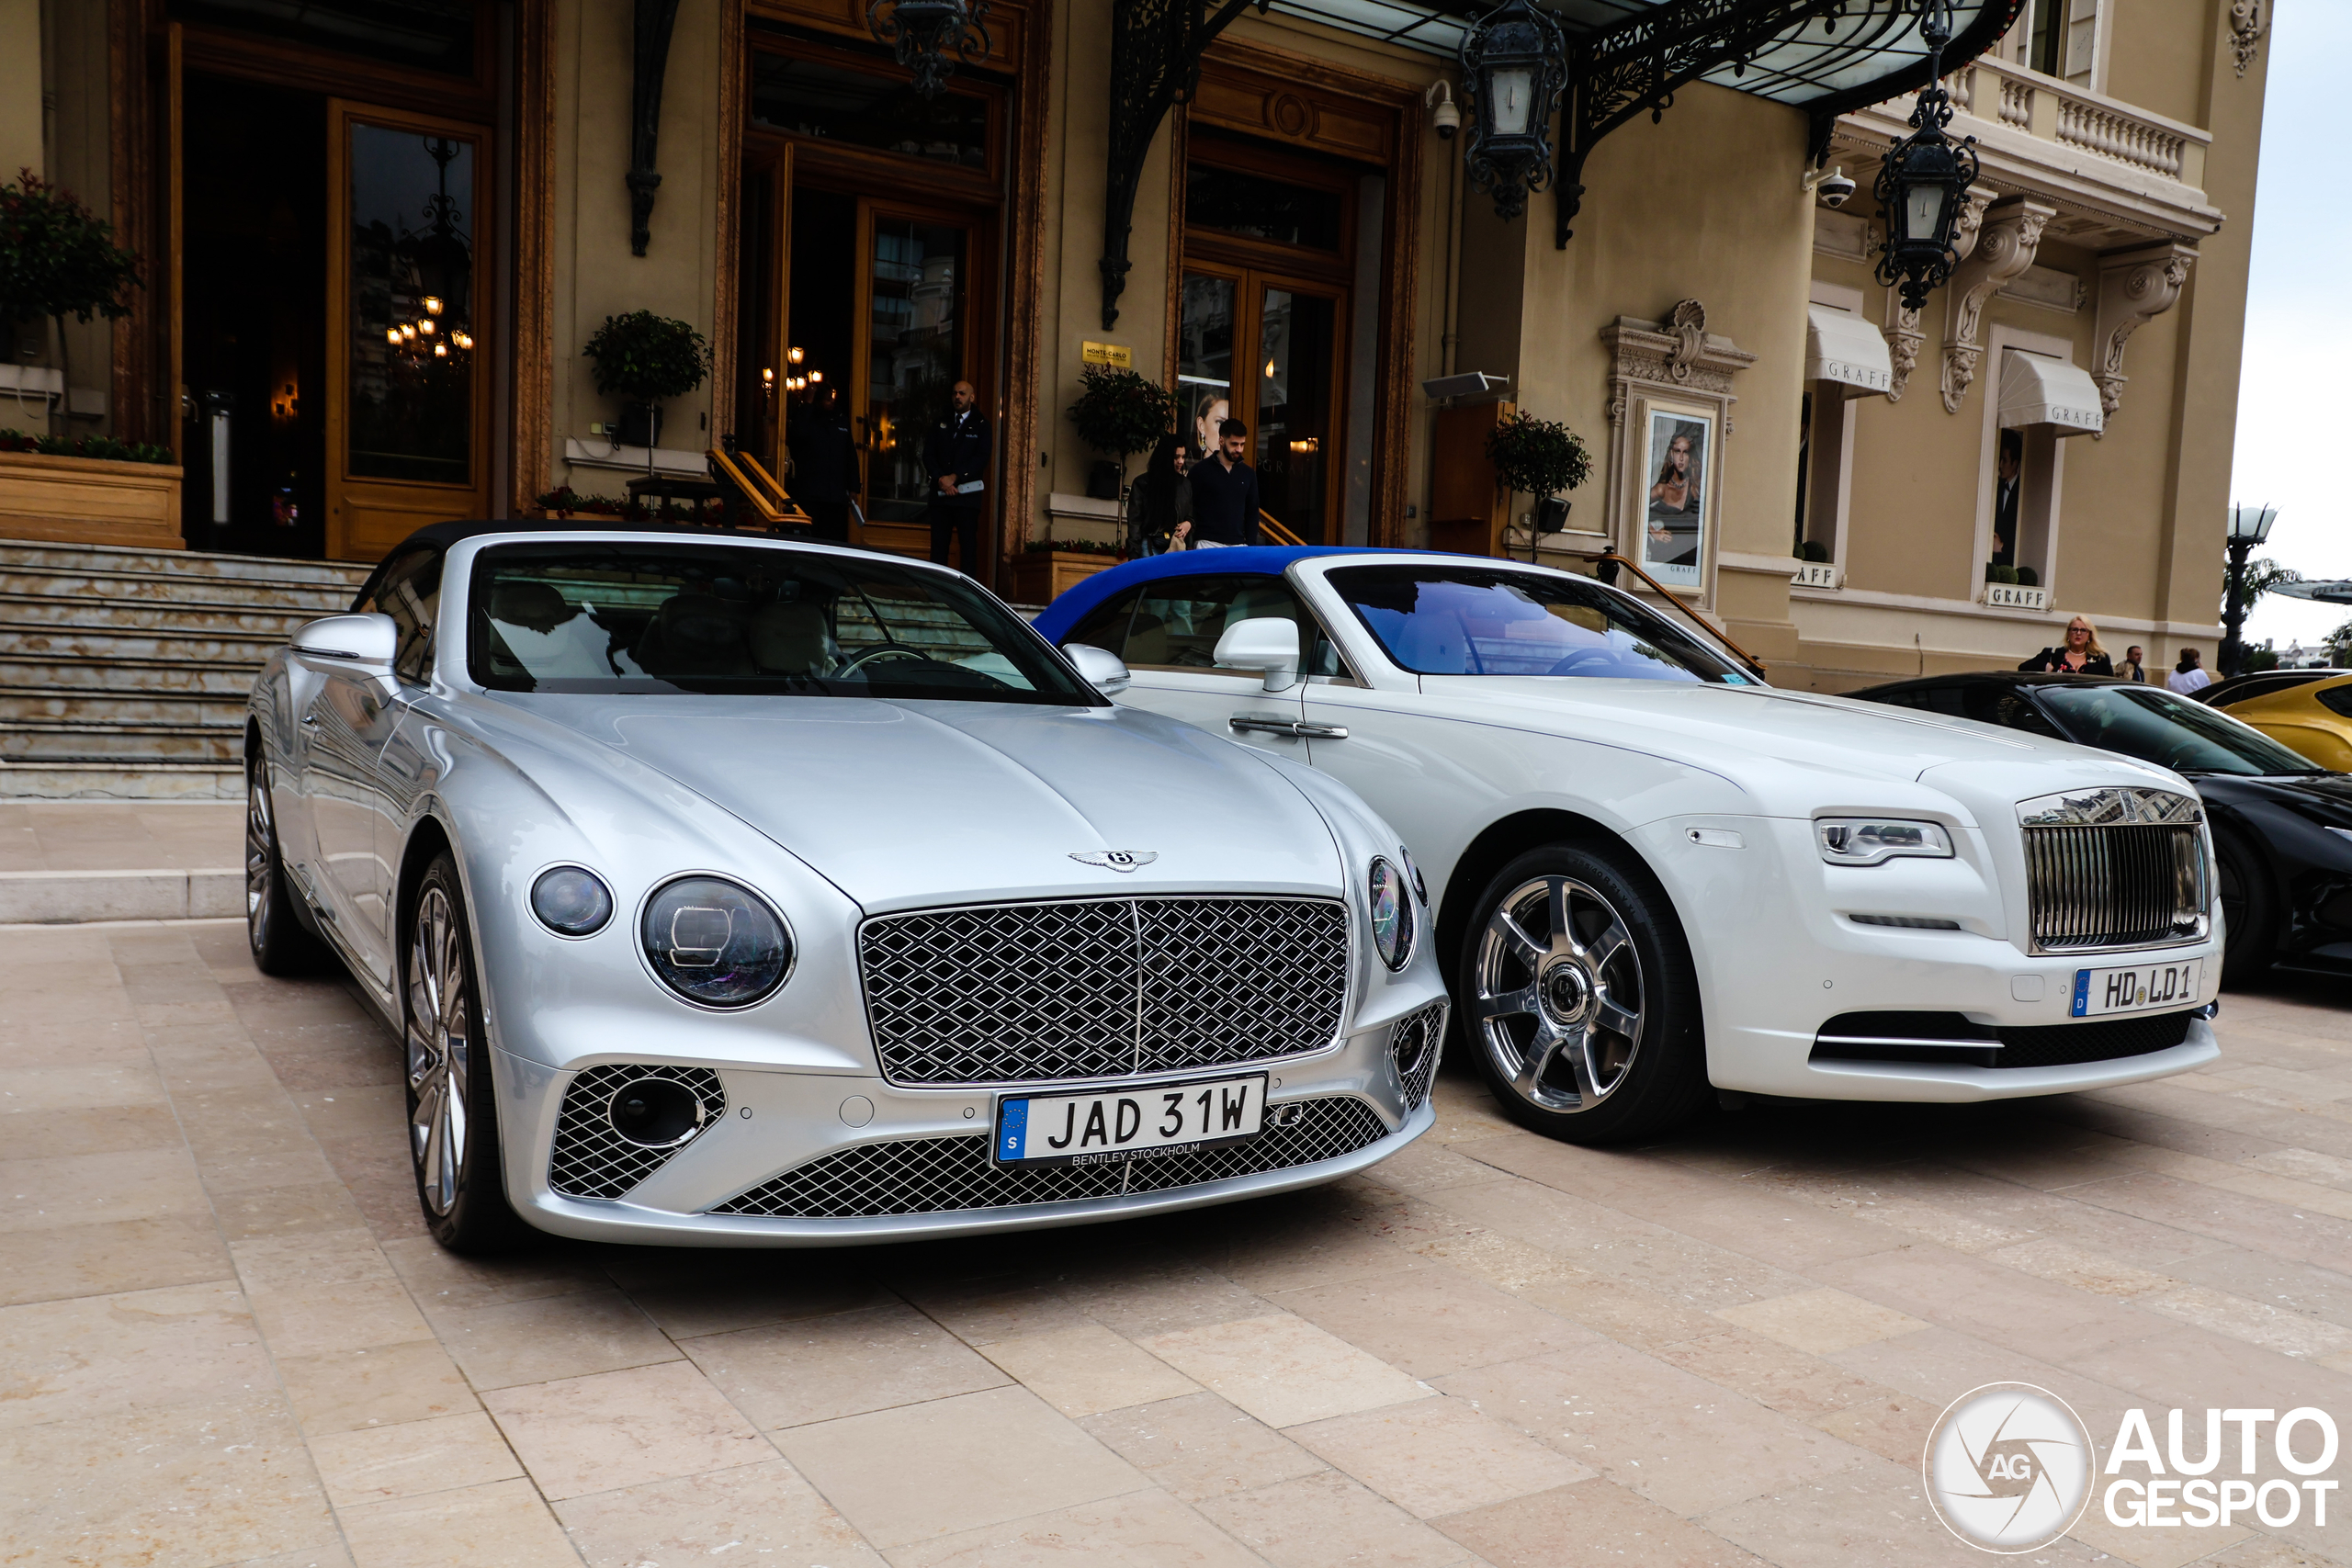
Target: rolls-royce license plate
point(1103, 1125)
point(2146, 988)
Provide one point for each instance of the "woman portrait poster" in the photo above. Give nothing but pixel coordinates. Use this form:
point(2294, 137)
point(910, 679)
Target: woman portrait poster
point(1674, 510)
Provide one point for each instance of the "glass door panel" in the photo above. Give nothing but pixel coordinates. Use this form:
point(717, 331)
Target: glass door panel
point(1204, 358)
point(1297, 337)
point(914, 319)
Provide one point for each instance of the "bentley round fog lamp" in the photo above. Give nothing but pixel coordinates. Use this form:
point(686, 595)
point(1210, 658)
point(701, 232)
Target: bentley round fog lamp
point(655, 1114)
point(571, 901)
point(1392, 915)
point(715, 942)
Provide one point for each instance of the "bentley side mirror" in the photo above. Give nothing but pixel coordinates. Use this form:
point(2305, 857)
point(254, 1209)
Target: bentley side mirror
point(367, 641)
point(1103, 670)
point(1266, 642)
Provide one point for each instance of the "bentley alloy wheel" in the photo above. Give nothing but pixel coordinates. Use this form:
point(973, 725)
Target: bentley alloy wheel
point(452, 1127)
point(1579, 996)
point(280, 944)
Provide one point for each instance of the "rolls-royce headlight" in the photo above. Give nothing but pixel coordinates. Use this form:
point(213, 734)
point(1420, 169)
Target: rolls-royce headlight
point(716, 943)
point(571, 901)
point(1867, 840)
point(1392, 915)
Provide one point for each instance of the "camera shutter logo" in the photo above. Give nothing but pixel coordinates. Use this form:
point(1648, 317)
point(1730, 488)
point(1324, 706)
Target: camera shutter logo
point(2008, 1467)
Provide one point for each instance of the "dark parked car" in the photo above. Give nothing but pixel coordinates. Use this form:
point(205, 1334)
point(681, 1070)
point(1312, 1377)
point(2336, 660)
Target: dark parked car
point(2282, 825)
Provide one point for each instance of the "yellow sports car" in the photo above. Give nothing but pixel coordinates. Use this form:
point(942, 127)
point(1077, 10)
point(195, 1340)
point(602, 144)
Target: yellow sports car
point(2309, 711)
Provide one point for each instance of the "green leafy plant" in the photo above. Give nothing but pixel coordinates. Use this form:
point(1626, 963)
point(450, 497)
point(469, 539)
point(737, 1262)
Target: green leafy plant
point(105, 446)
point(1077, 547)
point(648, 358)
point(1120, 413)
point(2029, 576)
point(1812, 551)
point(58, 259)
point(1541, 456)
point(2008, 574)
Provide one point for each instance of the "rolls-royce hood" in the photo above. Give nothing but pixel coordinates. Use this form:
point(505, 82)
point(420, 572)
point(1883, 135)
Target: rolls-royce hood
point(908, 804)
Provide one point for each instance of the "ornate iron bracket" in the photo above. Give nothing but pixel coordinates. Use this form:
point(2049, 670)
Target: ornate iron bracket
point(654, 21)
point(1156, 49)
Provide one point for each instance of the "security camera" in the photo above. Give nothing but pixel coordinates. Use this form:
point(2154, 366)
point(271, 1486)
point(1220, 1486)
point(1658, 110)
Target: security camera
point(1833, 188)
point(1444, 117)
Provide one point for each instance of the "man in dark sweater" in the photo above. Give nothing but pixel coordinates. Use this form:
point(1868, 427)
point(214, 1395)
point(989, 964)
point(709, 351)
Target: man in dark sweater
point(1225, 493)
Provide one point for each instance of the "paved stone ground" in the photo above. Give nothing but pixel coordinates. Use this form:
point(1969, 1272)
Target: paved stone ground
point(102, 836)
point(223, 1338)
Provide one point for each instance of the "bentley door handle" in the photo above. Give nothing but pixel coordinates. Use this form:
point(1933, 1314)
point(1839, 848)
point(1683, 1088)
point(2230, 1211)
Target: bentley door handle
point(1290, 726)
point(1320, 731)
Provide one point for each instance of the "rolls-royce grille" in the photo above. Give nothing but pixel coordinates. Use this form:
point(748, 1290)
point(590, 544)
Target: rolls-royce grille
point(2123, 885)
point(1102, 987)
point(931, 1175)
point(591, 1158)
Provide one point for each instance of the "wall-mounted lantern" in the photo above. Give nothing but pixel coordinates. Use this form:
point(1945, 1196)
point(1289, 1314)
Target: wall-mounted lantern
point(1514, 64)
point(1923, 184)
point(923, 31)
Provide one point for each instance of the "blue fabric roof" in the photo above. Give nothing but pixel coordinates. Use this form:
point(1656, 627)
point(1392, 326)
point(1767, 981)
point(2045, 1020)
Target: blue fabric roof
point(1074, 605)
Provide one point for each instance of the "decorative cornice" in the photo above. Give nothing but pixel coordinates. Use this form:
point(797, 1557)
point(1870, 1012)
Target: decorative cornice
point(2011, 234)
point(2133, 288)
point(2245, 31)
point(1678, 353)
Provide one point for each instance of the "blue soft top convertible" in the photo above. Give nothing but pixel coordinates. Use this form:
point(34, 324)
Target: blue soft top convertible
point(1074, 606)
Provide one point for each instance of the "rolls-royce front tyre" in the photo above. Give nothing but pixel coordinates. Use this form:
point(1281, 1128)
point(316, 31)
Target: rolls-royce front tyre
point(281, 945)
point(452, 1109)
point(1579, 998)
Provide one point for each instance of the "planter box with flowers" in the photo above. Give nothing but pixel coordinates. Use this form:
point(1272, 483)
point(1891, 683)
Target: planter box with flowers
point(91, 492)
point(1048, 567)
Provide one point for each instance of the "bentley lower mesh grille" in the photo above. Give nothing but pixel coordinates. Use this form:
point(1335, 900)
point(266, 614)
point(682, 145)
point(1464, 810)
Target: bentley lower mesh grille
point(2121, 885)
point(591, 1160)
point(1102, 987)
point(1414, 1048)
point(931, 1175)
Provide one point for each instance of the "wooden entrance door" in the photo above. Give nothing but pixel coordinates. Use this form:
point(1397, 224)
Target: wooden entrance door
point(409, 305)
point(1269, 350)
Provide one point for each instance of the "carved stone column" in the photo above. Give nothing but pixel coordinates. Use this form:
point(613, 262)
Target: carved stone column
point(2012, 232)
point(2134, 286)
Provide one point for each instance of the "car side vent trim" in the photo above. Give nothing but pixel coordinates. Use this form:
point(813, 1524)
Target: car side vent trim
point(591, 1158)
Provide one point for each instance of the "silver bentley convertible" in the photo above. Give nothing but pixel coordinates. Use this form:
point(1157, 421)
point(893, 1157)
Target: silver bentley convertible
point(745, 894)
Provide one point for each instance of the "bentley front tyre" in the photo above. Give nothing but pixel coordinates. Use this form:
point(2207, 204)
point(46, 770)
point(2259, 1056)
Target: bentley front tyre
point(452, 1111)
point(1579, 1000)
point(281, 945)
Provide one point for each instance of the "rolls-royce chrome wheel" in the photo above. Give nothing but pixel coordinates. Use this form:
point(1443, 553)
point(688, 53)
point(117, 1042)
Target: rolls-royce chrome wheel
point(452, 1125)
point(1579, 996)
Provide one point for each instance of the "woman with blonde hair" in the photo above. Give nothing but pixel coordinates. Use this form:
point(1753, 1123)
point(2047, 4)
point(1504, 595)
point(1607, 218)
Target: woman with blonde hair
point(2079, 654)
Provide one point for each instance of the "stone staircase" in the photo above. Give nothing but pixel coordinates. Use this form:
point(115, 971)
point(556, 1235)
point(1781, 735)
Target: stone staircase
point(123, 672)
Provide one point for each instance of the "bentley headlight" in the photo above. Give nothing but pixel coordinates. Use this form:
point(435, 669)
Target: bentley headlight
point(716, 943)
point(1392, 915)
point(1413, 874)
point(571, 901)
point(1867, 841)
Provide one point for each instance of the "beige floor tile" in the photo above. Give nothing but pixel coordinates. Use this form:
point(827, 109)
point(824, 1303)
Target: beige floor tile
point(503, 1523)
point(2063, 1263)
point(1820, 1322)
point(95, 1130)
point(1284, 1370)
point(923, 1472)
point(1200, 1445)
point(822, 1369)
point(1772, 1374)
point(444, 1283)
point(1868, 1515)
point(766, 1512)
point(95, 1355)
point(1142, 1529)
point(330, 1554)
point(1433, 1321)
point(1895, 1426)
point(2145, 1548)
point(616, 1429)
point(316, 1292)
point(551, 1337)
point(2256, 1323)
point(1329, 1520)
point(983, 1312)
point(205, 1482)
point(377, 1385)
point(1989, 1300)
point(1679, 1440)
point(723, 1306)
point(35, 1091)
point(1605, 1522)
point(284, 1211)
point(1087, 1370)
point(369, 1464)
point(1320, 1248)
point(1140, 1301)
point(96, 1189)
point(132, 1254)
point(1439, 1456)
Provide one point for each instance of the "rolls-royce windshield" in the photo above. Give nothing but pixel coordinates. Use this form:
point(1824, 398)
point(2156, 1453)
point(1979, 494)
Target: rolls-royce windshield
point(1451, 621)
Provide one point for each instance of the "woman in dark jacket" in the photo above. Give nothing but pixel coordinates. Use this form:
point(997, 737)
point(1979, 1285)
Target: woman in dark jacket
point(1160, 508)
point(2080, 654)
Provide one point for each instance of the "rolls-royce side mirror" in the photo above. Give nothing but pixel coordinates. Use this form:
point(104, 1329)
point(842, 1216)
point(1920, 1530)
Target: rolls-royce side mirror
point(1103, 670)
point(1265, 642)
point(366, 641)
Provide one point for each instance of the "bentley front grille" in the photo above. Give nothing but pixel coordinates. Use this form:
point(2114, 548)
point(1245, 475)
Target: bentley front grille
point(591, 1158)
point(931, 1176)
point(2114, 868)
point(1102, 987)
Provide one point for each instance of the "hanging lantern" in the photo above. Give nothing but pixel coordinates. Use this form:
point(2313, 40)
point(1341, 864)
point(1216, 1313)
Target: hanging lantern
point(1514, 64)
point(1923, 184)
point(923, 31)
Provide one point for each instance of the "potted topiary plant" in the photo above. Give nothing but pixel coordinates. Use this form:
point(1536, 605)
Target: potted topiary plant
point(647, 359)
point(1540, 457)
point(1119, 413)
point(58, 259)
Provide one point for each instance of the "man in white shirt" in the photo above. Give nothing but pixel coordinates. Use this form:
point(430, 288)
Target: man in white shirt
point(2189, 676)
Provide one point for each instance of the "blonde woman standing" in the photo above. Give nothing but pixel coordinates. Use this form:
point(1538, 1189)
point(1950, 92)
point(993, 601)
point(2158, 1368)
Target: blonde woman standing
point(2079, 654)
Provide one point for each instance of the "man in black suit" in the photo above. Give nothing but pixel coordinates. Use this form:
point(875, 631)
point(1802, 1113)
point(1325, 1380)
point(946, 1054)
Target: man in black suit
point(2006, 471)
point(824, 466)
point(956, 456)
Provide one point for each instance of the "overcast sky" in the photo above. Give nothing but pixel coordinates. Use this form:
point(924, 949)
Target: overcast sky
point(2294, 401)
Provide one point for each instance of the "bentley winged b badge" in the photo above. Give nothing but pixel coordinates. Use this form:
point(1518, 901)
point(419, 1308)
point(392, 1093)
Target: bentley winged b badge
point(1116, 860)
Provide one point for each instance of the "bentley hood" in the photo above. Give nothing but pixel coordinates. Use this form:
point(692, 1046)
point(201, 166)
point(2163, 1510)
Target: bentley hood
point(908, 804)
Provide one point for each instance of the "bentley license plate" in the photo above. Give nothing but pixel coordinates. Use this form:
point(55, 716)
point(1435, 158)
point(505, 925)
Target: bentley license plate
point(1104, 1125)
point(2148, 987)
